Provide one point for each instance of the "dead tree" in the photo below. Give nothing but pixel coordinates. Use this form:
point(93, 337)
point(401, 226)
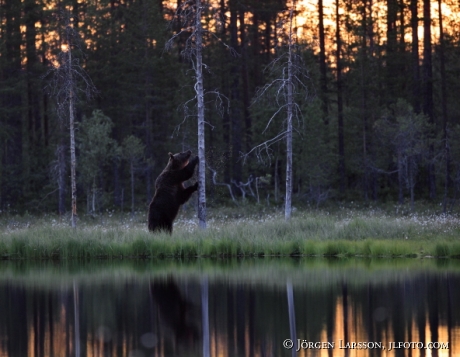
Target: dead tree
point(214, 181)
point(264, 181)
point(245, 186)
point(189, 15)
point(68, 80)
point(287, 85)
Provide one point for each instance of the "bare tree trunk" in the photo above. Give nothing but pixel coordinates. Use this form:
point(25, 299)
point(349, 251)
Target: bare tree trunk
point(291, 74)
point(290, 104)
point(63, 86)
point(73, 159)
point(201, 128)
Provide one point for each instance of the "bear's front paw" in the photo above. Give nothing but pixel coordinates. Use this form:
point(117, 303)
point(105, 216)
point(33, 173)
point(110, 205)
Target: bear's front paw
point(195, 186)
point(196, 160)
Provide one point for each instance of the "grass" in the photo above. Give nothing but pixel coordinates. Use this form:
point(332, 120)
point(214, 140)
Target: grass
point(249, 231)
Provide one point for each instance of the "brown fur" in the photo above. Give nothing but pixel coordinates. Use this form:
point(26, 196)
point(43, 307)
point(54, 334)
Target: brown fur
point(170, 192)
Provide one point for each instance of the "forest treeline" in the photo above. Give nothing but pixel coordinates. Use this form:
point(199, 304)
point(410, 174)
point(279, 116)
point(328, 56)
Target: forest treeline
point(378, 119)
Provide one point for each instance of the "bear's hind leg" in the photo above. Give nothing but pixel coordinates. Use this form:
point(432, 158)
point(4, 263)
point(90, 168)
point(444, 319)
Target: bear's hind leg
point(157, 221)
point(158, 227)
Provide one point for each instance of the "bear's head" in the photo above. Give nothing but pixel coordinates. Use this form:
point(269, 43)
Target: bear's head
point(179, 160)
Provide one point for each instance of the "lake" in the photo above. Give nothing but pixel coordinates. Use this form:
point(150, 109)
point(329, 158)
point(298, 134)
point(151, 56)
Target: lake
point(215, 307)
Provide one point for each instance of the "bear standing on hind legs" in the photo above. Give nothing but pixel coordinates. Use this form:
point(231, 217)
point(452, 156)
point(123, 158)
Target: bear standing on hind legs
point(170, 192)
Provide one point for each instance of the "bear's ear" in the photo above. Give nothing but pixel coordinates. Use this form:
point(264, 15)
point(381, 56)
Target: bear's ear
point(171, 156)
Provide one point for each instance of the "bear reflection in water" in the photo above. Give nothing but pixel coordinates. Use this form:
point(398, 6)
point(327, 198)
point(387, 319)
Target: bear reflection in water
point(177, 314)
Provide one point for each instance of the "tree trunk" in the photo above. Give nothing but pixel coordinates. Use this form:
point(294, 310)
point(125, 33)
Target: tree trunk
point(255, 69)
point(277, 179)
point(444, 109)
point(245, 80)
point(415, 57)
point(31, 141)
point(400, 179)
point(341, 143)
point(117, 184)
point(235, 113)
point(122, 200)
point(93, 197)
point(411, 174)
point(364, 94)
point(201, 128)
point(132, 187)
point(322, 63)
point(149, 93)
point(149, 144)
point(427, 61)
point(73, 159)
point(428, 88)
point(392, 67)
point(290, 105)
point(61, 169)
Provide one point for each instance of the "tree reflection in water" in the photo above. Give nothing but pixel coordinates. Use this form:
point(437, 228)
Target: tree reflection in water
point(193, 315)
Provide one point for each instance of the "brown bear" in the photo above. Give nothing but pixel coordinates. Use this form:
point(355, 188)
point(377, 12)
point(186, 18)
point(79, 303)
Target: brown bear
point(170, 192)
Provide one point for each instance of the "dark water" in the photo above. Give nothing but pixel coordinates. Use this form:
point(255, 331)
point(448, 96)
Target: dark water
point(334, 307)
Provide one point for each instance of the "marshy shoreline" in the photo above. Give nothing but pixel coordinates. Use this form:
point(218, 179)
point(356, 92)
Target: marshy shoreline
point(254, 231)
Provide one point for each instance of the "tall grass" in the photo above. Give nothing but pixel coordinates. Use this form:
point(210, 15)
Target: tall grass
point(232, 233)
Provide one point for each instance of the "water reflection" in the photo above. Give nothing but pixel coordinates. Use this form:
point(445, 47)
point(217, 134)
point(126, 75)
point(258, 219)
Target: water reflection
point(245, 309)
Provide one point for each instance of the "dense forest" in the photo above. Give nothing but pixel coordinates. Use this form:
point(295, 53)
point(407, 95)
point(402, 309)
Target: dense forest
point(377, 112)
